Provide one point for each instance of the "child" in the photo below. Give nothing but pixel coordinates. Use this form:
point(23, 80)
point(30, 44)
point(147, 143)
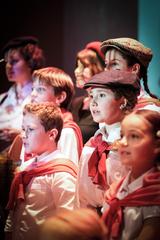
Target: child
point(112, 95)
point(134, 211)
point(46, 182)
point(54, 85)
point(130, 55)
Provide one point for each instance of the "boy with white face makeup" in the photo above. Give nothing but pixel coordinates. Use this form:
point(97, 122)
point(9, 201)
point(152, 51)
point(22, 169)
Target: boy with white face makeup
point(112, 95)
point(128, 54)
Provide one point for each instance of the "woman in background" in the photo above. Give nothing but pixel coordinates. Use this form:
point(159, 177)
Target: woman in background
point(90, 61)
point(22, 56)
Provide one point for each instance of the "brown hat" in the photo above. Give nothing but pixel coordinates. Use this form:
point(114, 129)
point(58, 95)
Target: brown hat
point(96, 47)
point(19, 42)
point(103, 79)
point(130, 47)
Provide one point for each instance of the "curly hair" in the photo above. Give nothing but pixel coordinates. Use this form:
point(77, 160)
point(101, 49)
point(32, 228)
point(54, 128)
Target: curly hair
point(33, 55)
point(49, 114)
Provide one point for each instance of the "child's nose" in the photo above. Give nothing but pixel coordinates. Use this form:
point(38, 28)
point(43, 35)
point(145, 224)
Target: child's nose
point(123, 141)
point(33, 93)
point(93, 102)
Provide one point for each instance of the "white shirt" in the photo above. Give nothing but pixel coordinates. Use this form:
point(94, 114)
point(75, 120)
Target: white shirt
point(134, 216)
point(87, 193)
point(68, 145)
point(44, 195)
point(11, 108)
point(152, 107)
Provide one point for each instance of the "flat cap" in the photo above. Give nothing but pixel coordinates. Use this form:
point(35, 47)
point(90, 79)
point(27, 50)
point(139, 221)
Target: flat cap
point(130, 47)
point(19, 42)
point(105, 78)
point(96, 46)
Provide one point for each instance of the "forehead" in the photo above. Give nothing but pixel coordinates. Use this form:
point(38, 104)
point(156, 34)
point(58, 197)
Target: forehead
point(99, 90)
point(114, 54)
point(136, 122)
point(30, 119)
point(40, 82)
point(13, 53)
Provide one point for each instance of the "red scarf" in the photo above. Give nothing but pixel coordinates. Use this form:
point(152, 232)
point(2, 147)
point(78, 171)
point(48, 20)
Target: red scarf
point(74, 126)
point(97, 161)
point(148, 195)
point(23, 178)
point(142, 102)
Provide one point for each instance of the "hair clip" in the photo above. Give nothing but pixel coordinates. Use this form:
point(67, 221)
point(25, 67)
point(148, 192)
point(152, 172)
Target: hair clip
point(158, 133)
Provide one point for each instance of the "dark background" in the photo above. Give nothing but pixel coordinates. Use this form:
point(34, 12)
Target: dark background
point(65, 26)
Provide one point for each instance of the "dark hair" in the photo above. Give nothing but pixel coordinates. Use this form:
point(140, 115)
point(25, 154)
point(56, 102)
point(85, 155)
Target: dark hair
point(32, 54)
point(153, 117)
point(128, 91)
point(131, 60)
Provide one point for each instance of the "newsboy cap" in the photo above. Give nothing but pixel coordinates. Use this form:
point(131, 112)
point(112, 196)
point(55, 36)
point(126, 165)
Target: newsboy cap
point(129, 46)
point(96, 46)
point(105, 78)
point(19, 42)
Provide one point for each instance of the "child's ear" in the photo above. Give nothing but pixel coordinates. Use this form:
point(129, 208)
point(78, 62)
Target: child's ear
point(53, 133)
point(60, 98)
point(136, 68)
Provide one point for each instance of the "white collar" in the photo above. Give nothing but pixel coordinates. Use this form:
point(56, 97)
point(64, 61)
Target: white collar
point(127, 188)
point(110, 133)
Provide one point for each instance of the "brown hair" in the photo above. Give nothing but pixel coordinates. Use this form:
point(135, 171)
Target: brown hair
point(90, 58)
point(128, 91)
point(131, 60)
point(32, 54)
point(59, 80)
point(80, 224)
point(153, 117)
point(49, 115)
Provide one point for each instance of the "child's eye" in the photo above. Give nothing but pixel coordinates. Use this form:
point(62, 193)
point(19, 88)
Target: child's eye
point(134, 136)
point(30, 129)
point(102, 95)
point(121, 135)
point(90, 96)
point(40, 89)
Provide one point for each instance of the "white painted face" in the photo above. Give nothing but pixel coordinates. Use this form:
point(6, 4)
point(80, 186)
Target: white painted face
point(115, 61)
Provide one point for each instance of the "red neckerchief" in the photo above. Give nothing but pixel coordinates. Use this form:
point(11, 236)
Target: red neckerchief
point(142, 102)
point(69, 123)
point(148, 195)
point(97, 161)
point(22, 179)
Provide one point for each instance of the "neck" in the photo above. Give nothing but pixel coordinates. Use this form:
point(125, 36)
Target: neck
point(136, 173)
